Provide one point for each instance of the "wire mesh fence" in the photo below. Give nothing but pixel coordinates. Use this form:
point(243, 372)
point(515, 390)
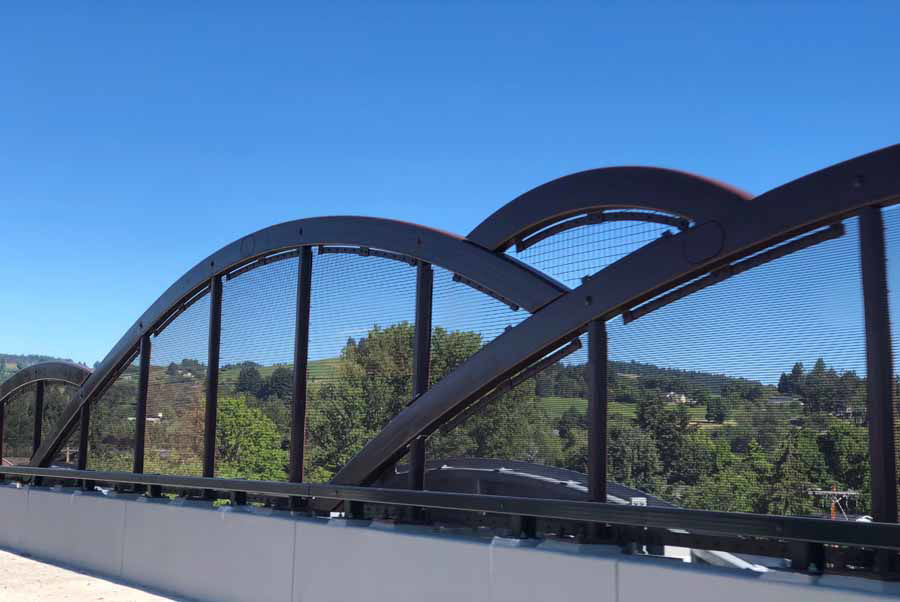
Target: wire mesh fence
point(176, 399)
point(750, 395)
point(18, 426)
point(56, 397)
point(253, 424)
point(543, 419)
point(362, 322)
point(573, 254)
point(891, 216)
point(745, 396)
point(464, 320)
point(112, 424)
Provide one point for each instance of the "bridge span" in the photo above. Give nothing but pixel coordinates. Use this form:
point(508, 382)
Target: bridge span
point(354, 408)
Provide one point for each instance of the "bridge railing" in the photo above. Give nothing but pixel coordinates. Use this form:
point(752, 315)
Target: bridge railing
point(328, 349)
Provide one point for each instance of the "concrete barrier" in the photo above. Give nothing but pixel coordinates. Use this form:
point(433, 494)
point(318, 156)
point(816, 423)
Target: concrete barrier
point(227, 554)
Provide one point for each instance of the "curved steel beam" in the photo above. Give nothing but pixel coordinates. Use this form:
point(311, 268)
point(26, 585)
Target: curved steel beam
point(649, 188)
point(66, 372)
point(504, 276)
point(811, 201)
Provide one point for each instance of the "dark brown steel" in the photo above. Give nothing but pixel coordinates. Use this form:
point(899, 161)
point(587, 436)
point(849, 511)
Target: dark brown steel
point(726, 272)
point(599, 218)
point(38, 415)
point(501, 275)
point(367, 252)
point(649, 188)
point(510, 384)
point(178, 310)
point(472, 284)
point(212, 376)
point(258, 263)
point(669, 261)
point(64, 372)
point(84, 435)
point(598, 361)
point(140, 421)
point(421, 365)
point(2, 425)
point(879, 366)
point(301, 358)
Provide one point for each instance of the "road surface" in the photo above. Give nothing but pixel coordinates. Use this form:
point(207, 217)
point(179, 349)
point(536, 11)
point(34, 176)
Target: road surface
point(26, 580)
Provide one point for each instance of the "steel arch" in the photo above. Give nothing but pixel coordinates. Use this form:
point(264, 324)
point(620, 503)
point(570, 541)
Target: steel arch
point(65, 372)
point(498, 274)
point(649, 188)
point(733, 231)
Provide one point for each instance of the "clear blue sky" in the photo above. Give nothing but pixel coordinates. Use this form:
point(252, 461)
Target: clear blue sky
point(134, 141)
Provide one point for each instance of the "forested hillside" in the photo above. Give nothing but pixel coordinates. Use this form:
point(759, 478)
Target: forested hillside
point(699, 440)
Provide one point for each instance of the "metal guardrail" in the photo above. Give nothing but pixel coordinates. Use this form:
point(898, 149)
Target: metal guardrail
point(787, 528)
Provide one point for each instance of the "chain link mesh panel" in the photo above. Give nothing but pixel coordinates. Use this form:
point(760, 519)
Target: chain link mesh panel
point(584, 250)
point(176, 397)
point(18, 427)
point(362, 318)
point(256, 377)
point(543, 419)
point(56, 398)
point(112, 424)
point(749, 395)
point(464, 320)
point(891, 216)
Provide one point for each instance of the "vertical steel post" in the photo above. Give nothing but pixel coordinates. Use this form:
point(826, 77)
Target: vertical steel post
point(301, 358)
point(212, 376)
point(597, 409)
point(879, 381)
point(83, 435)
point(421, 365)
point(2, 415)
point(140, 426)
point(38, 416)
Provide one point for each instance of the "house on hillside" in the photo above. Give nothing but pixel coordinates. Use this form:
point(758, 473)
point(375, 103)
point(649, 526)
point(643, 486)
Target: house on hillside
point(782, 400)
point(674, 397)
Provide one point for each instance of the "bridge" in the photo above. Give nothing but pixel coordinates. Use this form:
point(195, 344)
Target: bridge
point(354, 408)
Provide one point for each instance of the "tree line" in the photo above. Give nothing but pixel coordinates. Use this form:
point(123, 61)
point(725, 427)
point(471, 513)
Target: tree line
point(748, 455)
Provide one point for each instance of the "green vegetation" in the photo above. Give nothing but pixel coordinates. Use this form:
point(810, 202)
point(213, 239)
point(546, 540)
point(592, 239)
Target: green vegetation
point(699, 440)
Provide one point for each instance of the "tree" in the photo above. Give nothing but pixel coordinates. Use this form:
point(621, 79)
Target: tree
point(716, 410)
point(633, 458)
point(798, 468)
point(792, 384)
point(248, 443)
point(250, 381)
point(281, 383)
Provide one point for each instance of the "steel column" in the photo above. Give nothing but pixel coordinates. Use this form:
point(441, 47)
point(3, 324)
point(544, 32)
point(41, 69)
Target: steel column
point(421, 365)
point(301, 358)
point(2, 415)
point(38, 415)
point(879, 379)
point(212, 376)
point(140, 427)
point(85, 420)
point(597, 409)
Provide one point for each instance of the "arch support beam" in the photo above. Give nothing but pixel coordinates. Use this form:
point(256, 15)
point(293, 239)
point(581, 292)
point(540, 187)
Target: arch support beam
point(501, 275)
point(649, 188)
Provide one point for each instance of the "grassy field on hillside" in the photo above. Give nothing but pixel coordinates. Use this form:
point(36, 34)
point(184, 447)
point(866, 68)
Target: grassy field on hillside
point(324, 369)
point(556, 406)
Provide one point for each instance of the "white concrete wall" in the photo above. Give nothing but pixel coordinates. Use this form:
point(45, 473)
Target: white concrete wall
point(192, 550)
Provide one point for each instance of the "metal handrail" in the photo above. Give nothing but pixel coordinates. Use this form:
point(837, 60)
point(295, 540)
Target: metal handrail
point(735, 524)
